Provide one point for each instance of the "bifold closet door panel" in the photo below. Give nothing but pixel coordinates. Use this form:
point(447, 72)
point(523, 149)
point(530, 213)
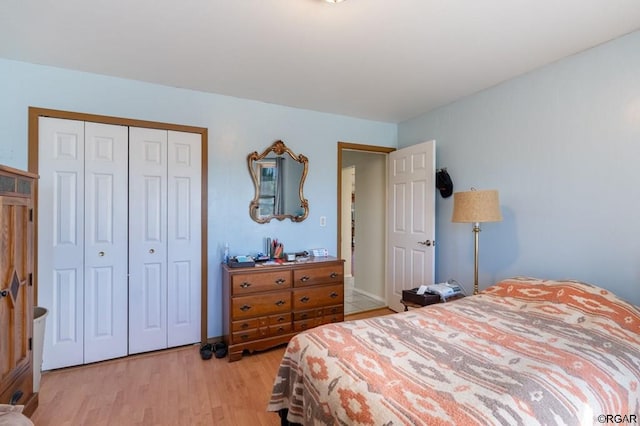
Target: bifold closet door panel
point(61, 239)
point(105, 236)
point(82, 257)
point(184, 238)
point(147, 239)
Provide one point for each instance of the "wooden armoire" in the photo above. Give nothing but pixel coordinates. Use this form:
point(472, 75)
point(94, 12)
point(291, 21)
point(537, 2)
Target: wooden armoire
point(16, 288)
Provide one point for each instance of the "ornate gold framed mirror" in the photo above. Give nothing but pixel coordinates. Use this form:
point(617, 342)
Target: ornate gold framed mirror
point(278, 178)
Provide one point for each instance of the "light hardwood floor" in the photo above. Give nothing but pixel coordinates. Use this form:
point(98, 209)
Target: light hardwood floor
point(171, 387)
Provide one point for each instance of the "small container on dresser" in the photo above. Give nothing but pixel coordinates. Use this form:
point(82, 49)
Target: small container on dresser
point(266, 305)
point(16, 288)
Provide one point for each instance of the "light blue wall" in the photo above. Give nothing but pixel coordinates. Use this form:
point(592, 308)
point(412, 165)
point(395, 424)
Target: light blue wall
point(236, 128)
point(562, 145)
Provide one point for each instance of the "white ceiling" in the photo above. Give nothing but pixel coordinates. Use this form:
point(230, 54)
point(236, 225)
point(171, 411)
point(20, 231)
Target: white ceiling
point(386, 60)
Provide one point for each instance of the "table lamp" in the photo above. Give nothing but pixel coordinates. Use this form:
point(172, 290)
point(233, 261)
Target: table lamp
point(476, 207)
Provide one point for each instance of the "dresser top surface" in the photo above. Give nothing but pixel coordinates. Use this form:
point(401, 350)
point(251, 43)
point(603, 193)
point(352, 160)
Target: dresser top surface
point(311, 261)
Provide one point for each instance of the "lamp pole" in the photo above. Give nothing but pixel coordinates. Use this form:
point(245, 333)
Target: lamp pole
point(476, 234)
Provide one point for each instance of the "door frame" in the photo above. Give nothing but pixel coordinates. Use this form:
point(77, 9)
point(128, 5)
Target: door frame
point(33, 140)
point(348, 146)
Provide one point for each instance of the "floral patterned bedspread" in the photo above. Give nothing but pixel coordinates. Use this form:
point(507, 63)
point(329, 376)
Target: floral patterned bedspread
point(524, 351)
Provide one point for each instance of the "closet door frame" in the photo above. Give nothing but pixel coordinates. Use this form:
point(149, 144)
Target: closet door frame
point(35, 113)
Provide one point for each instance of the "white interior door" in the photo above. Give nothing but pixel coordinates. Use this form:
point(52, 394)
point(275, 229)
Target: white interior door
point(105, 237)
point(147, 239)
point(410, 220)
point(184, 238)
point(61, 239)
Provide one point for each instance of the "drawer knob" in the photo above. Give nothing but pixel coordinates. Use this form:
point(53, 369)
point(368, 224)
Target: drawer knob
point(245, 285)
point(281, 319)
point(280, 302)
point(281, 330)
point(245, 336)
point(245, 325)
point(333, 295)
point(304, 299)
point(333, 274)
point(245, 308)
point(305, 278)
point(304, 316)
point(280, 281)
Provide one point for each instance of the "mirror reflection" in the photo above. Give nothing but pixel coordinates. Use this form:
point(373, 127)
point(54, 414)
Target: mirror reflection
point(278, 177)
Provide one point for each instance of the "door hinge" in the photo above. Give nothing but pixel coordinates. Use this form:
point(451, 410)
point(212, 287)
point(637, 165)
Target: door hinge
point(31, 279)
point(30, 343)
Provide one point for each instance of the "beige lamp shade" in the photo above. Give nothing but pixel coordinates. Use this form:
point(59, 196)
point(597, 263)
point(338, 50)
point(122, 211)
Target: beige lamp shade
point(476, 206)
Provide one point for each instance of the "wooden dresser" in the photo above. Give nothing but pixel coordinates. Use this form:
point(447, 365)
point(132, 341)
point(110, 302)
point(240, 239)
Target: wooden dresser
point(16, 288)
point(264, 306)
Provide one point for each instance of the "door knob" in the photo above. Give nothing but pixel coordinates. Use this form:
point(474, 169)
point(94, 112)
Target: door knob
point(101, 253)
point(427, 243)
point(152, 251)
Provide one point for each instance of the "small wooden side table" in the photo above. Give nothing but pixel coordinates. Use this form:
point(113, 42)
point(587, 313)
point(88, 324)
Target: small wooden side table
point(410, 298)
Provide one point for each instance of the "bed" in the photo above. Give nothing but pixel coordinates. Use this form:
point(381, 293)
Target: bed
point(524, 351)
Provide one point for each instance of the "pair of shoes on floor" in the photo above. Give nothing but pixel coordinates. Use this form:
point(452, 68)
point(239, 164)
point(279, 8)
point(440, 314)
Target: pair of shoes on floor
point(209, 349)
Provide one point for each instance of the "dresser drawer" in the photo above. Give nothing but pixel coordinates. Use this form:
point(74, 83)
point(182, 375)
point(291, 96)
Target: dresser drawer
point(260, 305)
point(277, 330)
point(280, 319)
point(245, 336)
point(304, 320)
point(306, 324)
point(305, 315)
point(24, 384)
point(244, 324)
point(318, 275)
point(333, 310)
point(328, 319)
point(313, 297)
point(260, 281)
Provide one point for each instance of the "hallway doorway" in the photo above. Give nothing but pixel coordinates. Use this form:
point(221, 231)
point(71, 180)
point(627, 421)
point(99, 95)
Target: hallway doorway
point(362, 224)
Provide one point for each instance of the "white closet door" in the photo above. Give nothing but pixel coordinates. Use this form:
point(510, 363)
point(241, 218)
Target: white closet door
point(147, 239)
point(105, 250)
point(184, 238)
point(61, 239)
